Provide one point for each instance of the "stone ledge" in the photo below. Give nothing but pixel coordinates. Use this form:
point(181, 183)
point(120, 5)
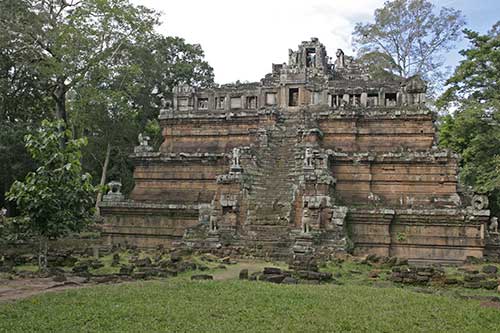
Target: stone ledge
point(410, 156)
point(130, 204)
point(373, 112)
point(215, 114)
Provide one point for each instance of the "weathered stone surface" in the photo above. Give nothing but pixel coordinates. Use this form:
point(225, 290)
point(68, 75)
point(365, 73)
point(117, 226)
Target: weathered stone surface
point(144, 262)
point(116, 259)
point(274, 278)
point(59, 278)
point(290, 280)
point(202, 277)
point(272, 270)
point(127, 270)
point(490, 269)
point(489, 284)
point(243, 274)
point(474, 278)
point(81, 268)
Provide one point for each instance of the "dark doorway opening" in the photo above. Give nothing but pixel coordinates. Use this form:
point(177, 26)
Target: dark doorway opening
point(311, 57)
point(293, 97)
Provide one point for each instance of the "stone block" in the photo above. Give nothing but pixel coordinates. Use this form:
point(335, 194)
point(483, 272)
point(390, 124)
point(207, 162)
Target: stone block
point(490, 269)
point(243, 274)
point(199, 277)
point(272, 270)
point(274, 278)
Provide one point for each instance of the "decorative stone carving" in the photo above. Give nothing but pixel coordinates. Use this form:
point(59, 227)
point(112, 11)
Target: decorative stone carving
point(114, 193)
point(143, 146)
point(340, 61)
point(339, 214)
point(293, 58)
point(480, 202)
point(213, 226)
point(229, 200)
point(306, 220)
point(204, 213)
point(235, 161)
point(493, 226)
point(308, 158)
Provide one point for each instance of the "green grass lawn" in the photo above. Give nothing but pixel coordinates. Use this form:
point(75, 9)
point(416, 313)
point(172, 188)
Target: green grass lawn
point(179, 305)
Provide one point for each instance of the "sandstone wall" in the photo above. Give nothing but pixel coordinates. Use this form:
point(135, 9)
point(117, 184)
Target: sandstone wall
point(178, 180)
point(397, 181)
point(419, 234)
point(147, 225)
point(377, 133)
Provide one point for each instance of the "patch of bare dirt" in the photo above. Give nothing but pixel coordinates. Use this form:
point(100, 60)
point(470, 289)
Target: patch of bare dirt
point(494, 305)
point(12, 290)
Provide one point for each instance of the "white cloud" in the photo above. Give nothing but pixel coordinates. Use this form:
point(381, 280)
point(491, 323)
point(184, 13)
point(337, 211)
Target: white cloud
point(242, 39)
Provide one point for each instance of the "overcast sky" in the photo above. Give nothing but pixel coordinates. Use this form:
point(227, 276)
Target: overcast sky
point(242, 38)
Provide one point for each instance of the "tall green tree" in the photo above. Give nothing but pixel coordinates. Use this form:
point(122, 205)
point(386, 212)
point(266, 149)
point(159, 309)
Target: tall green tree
point(408, 37)
point(113, 104)
point(22, 105)
point(98, 66)
point(57, 198)
point(65, 40)
point(473, 128)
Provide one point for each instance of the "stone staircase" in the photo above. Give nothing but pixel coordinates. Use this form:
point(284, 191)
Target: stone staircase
point(271, 195)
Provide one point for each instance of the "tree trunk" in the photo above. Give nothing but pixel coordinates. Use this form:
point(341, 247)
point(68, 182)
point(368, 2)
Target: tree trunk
point(42, 254)
point(60, 99)
point(103, 178)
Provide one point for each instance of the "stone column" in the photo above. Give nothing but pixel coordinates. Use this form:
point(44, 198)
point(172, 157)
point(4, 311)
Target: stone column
point(381, 97)
point(364, 99)
point(346, 98)
point(282, 97)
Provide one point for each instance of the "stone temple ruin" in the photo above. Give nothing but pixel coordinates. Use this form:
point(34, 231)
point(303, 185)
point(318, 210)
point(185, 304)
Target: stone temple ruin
point(317, 157)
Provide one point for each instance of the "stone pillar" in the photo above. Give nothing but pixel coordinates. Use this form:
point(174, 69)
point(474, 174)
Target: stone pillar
point(325, 97)
point(176, 104)
point(364, 99)
point(211, 102)
point(282, 97)
point(381, 97)
point(422, 98)
point(346, 99)
point(243, 101)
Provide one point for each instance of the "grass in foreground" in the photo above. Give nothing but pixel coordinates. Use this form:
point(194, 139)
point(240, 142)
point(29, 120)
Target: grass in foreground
point(178, 305)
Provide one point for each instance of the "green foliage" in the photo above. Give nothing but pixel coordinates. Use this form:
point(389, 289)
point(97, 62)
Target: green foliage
point(473, 129)
point(408, 37)
point(99, 66)
point(56, 198)
point(477, 78)
point(64, 41)
point(13, 229)
point(177, 305)
point(113, 105)
point(401, 237)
